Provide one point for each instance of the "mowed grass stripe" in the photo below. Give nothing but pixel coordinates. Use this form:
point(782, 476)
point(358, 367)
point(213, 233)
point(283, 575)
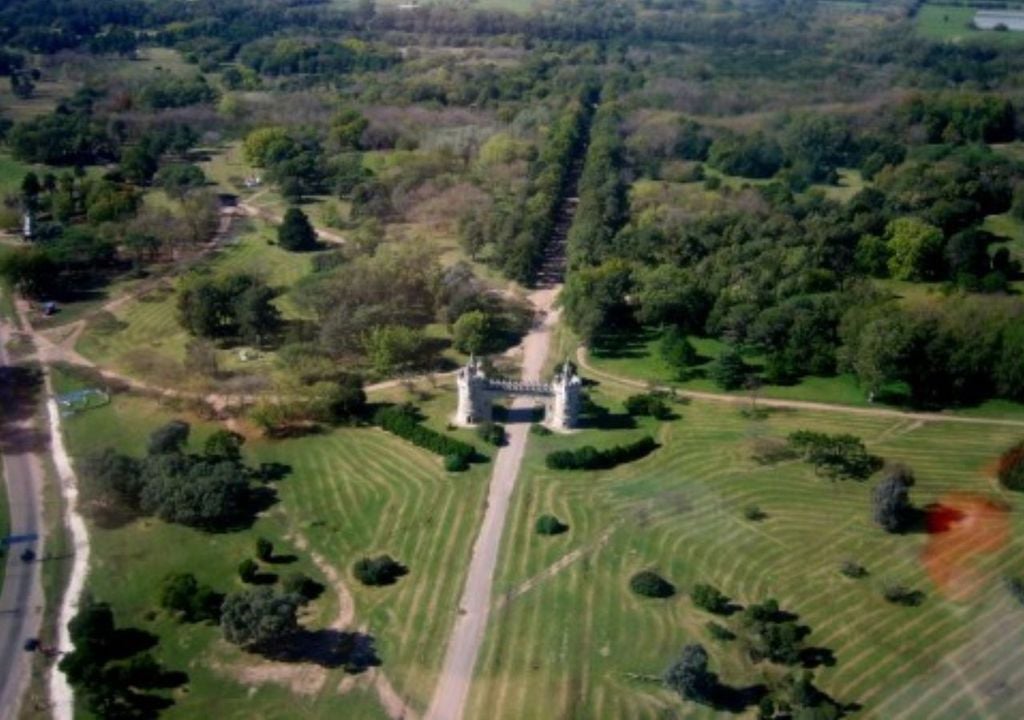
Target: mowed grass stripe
point(793, 555)
point(361, 492)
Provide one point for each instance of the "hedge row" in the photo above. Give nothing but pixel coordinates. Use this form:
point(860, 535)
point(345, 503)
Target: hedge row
point(398, 422)
point(590, 458)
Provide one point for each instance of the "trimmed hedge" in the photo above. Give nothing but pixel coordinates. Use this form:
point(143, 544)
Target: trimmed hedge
point(399, 422)
point(590, 458)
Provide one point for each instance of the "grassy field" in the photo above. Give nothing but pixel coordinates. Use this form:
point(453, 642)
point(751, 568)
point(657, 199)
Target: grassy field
point(227, 169)
point(11, 173)
point(1008, 227)
point(143, 337)
point(351, 492)
point(952, 23)
point(636, 355)
point(571, 642)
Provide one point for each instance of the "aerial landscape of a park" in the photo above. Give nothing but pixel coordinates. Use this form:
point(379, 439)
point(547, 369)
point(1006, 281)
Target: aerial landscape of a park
point(512, 359)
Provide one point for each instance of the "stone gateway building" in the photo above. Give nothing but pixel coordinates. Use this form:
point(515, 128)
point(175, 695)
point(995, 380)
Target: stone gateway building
point(477, 392)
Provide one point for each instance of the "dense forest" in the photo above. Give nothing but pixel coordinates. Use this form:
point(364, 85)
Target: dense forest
point(708, 139)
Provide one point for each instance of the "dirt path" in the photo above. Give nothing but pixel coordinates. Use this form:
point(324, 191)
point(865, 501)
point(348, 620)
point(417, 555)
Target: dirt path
point(61, 695)
point(452, 690)
point(921, 417)
point(554, 568)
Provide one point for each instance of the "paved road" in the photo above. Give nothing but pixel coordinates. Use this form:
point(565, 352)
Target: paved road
point(21, 602)
point(452, 690)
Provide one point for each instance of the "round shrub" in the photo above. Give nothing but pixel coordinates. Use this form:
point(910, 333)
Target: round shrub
point(247, 570)
point(381, 570)
point(550, 525)
point(651, 584)
point(492, 433)
point(456, 463)
point(854, 570)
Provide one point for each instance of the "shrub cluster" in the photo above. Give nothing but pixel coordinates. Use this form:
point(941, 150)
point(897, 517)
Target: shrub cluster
point(902, 595)
point(590, 458)
point(651, 584)
point(403, 423)
point(108, 666)
point(837, 456)
point(720, 632)
point(652, 404)
point(381, 570)
point(854, 570)
point(182, 593)
point(710, 598)
point(550, 525)
point(492, 433)
point(208, 491)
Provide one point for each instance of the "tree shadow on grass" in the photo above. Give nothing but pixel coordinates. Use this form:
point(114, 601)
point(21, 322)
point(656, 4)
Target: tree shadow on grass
point(282, 559)
point(263, 578)
point(329, 648)
point(596, 417)
point(735, 700)
point(133, 705)
point(269, 472)
point(130, 641)
point(631, 343)
point(812, 657)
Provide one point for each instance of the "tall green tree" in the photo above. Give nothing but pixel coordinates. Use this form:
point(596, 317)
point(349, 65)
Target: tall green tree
point(296, 233)
point(890, 500)
point(916, 249)
point(259, 617)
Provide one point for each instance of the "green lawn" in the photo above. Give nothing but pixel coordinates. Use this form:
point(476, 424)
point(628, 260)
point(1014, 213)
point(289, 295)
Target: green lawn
point(1008, 227)
point(952, 23)
point(635, 355)
point(351, 492)
point(575, 642)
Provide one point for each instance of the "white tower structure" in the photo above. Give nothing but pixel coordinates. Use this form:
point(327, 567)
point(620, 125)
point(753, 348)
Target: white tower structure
point(477, 392)
point(565, 406)
point(474, 405)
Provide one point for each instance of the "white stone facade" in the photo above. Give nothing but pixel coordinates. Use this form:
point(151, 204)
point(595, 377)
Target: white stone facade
point(477, 392)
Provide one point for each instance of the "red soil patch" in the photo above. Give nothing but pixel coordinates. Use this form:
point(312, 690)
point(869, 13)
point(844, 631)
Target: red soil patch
point(963, 529)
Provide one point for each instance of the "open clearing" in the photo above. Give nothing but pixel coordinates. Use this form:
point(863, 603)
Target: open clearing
point(952, 22)
point(144, 338)
point(573, 643)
